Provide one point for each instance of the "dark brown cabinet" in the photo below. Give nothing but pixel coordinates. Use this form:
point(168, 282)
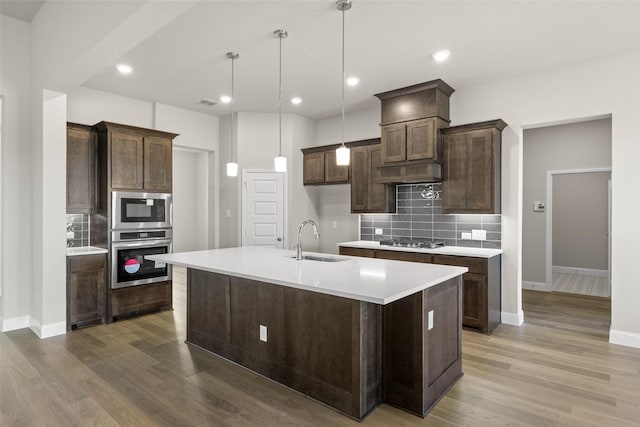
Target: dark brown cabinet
point(413, 140)
point(81, 169)
point(319, 166)
point(86, 289)
point(137, 159)
point(134, 300)
point(481, 286)
point(471, 168)
point(367, 194)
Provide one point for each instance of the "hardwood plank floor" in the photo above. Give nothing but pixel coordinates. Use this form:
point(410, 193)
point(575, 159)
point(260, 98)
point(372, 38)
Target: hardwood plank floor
point(581, 284)
point(556, 370)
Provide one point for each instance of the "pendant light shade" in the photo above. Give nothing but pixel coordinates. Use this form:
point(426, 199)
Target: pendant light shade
point(232, 167)
point(280, 162)
point(343, 153)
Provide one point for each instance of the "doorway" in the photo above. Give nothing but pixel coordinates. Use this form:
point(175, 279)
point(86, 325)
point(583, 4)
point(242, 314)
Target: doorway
point(578, 231)
point(263, 209)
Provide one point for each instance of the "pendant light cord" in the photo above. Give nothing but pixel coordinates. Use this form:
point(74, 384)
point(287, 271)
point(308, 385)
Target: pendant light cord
point(280, 101)
point(233, 100)
point(343, 77)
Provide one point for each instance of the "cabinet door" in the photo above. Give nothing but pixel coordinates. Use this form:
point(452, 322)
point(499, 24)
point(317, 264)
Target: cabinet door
point(480, 170)
point(126, 161)
point(379, 194)
point(359, 179)
point(333, 173)
point(422, 141)
point(474, 300)
point(81, 171)
point(454, 182)
point(157, 164)
point(86, 289)
point(313, 168)
point(394, 143)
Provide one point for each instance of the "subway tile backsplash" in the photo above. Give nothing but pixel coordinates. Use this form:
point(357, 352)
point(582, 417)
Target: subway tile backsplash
point(419, 215)
point(78, 224)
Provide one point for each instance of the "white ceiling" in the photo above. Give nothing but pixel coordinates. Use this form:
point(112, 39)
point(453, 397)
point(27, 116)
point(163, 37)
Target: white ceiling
point(23, 10)
point(388, 45)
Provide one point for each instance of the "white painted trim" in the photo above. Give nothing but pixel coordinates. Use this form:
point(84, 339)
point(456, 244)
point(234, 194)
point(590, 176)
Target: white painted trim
point(549, 214)
point(14, 323)
point(536, 286)
point(581, 271)
point(50, 330)
point(515, 319)
point(628, 339)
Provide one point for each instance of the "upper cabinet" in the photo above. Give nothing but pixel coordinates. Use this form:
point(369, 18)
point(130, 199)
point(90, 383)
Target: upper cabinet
point(81, 169)
point(137, 159)
point(410, 120)
point(319, 166)
point(368, 194)
point(471, 168)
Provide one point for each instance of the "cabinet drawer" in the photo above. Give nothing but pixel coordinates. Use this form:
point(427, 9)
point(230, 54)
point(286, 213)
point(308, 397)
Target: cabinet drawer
point(86, 263)
point(404, 256)
point(366, 253)
point(475, 265)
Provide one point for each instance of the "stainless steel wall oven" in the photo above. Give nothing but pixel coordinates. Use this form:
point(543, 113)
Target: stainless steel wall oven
point(128, 249)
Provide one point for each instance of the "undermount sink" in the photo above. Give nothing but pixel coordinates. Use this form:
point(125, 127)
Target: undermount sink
point(320, 258)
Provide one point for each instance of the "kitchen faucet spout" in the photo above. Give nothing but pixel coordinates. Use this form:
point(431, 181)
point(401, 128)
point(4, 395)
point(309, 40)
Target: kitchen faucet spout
point(299, 244)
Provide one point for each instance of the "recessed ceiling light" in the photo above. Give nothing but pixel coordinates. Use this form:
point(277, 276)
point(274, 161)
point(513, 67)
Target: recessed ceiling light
point(441, 55)
point(225, 99)
point(124, 68)
point(296, 100)
point(353, 80)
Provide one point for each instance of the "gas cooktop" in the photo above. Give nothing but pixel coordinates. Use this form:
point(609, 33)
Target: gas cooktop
point(413, 243)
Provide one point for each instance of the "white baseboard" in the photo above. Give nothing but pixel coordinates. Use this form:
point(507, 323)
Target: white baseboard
point(581, 271)
point(628, 339)
point(14, 323)
point(515, 319)
point(49, 330)
point(536, 286)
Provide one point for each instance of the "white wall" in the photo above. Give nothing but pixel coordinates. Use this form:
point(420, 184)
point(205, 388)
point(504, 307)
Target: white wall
point(190, 225)
point(15, 87)
point(562, 147)
point(580, 224)
point(591, 89)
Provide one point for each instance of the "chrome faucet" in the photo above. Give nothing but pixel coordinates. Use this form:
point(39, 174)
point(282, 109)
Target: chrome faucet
point(299, 245)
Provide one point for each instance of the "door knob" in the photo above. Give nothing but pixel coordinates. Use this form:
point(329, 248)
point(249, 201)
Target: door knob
point(279, 239)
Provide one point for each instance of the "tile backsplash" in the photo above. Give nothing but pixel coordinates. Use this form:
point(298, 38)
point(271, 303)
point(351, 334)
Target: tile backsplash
point(78, 224)
point(419, 215)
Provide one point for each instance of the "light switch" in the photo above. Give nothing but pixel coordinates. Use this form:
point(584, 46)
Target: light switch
point(334, 224)
point(430, 325)
point(263, 333)
point(227, 213)
point(538, 206)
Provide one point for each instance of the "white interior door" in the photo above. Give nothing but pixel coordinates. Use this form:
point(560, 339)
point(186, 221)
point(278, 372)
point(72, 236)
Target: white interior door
point(263, 206)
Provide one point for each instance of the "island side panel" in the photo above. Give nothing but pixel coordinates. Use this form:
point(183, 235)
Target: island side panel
point(421, 364)
point(324, 346)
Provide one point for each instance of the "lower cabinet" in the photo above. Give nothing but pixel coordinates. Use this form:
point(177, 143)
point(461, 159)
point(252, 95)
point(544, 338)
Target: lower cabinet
point(134, 300)
point(86, 290)
point(481, 286)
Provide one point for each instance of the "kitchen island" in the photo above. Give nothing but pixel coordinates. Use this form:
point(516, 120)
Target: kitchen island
point(349, 332)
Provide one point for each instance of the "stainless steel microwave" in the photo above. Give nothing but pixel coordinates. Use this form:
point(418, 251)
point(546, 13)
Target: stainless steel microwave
point(141, 210)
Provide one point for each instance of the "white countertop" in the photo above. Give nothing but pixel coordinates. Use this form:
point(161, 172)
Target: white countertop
point(366, 279)
point(446, 250)
point(85, 250)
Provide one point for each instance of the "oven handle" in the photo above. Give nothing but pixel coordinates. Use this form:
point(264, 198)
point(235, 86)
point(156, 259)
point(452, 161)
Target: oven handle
point(142, 243)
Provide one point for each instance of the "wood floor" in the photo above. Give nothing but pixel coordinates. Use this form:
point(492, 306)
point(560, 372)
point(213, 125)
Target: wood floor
point(556, 370)
point(581, 284)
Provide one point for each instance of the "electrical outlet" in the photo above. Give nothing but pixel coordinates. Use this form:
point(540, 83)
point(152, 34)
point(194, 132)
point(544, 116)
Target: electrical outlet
point(263, 333)
point(465, 236)
point(378, 231)
point(430, 325)
point(478, 234)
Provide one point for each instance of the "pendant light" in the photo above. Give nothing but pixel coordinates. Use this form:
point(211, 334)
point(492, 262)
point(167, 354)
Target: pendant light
point(232, 167)
point(343, 153)
point(280, 161)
